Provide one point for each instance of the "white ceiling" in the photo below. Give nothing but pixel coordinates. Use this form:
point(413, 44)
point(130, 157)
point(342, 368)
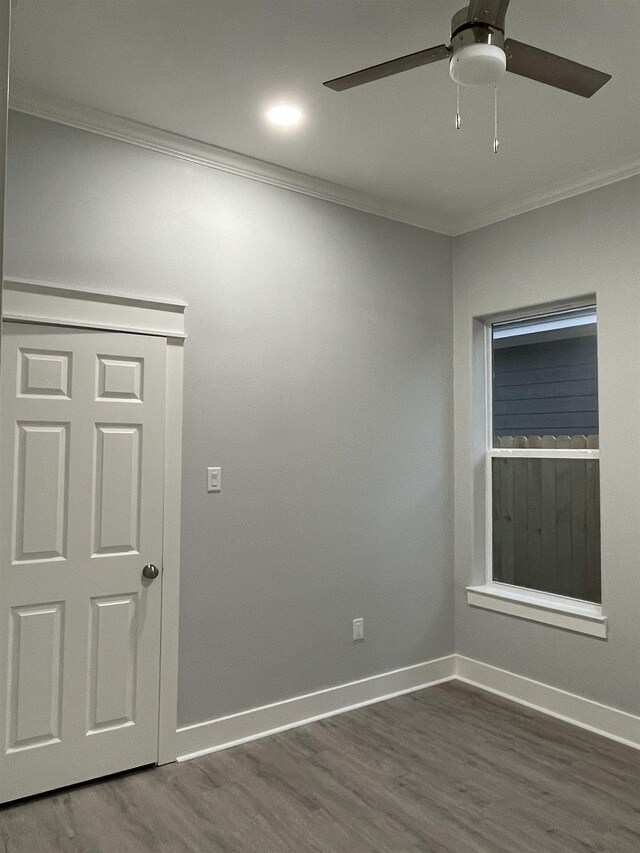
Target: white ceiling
point(206, 69)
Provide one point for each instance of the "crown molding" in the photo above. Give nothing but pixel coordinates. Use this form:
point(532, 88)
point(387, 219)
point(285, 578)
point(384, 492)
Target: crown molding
point(61, 111)
point(587, 182)
point(29, 101)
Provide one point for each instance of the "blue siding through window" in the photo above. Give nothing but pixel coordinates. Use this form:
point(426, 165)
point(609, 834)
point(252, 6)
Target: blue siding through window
point(546, 388)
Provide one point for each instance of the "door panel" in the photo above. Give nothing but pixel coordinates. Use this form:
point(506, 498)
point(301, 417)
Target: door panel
point(120, 378)
point(81, 466)
point(116, 495)
point(44, 374)
point(40, 492)
point(113, 660)
point(35, 670)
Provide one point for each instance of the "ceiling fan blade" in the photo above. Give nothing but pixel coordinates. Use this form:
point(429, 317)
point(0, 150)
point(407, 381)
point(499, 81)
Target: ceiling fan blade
point(385, 69)
point(536, 64)
point(490, 12)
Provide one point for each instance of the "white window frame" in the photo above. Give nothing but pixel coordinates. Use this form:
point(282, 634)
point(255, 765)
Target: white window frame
point(571, 614)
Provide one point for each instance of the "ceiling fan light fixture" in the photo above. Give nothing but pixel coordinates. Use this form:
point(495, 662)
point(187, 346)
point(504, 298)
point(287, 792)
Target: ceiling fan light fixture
point(478, 64)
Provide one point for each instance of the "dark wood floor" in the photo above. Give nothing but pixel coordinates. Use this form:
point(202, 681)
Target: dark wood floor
point(446, 769)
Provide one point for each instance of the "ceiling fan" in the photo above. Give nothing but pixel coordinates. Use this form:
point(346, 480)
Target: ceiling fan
point(479, 54)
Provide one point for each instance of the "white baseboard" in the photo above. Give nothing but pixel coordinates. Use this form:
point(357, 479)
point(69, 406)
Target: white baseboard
point(585, 713)
point(203, 738)
point(223, 732)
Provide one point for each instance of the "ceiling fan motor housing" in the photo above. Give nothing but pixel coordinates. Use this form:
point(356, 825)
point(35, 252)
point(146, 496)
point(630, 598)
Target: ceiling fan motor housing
point(478, 57)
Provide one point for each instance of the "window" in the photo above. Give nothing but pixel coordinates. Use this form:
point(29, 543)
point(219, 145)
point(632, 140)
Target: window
point(543, 478)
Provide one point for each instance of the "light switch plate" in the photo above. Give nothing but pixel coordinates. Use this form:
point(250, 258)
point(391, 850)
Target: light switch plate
point(358, 629)
point(214, 479)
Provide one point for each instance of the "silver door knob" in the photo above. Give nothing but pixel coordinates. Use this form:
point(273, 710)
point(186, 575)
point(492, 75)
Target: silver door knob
point(150, 571)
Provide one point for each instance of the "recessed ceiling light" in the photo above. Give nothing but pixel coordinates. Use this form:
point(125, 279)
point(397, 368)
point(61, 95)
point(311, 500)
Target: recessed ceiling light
point(284, 115)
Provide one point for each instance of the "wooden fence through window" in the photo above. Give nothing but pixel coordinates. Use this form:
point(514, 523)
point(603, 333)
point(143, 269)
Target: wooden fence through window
point(546, 517)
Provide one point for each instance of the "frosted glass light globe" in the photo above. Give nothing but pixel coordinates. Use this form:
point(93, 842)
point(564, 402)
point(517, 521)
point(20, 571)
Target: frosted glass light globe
point(478, 65)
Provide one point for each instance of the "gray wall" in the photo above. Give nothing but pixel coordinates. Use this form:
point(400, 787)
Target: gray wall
point(318, 375)
point(585, 245)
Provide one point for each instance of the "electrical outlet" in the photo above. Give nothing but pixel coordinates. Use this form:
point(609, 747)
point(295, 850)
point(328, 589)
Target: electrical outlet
point(214, 479)
point(358, 629)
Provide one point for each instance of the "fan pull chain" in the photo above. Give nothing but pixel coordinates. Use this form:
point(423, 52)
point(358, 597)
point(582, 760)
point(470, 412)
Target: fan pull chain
point(496, 143)
point(458, 120)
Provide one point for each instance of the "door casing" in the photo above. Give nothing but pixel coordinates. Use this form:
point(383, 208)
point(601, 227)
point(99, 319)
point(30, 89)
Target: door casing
point(48, 304)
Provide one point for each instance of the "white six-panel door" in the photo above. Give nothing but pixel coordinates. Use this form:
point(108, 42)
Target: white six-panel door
point(81, 513)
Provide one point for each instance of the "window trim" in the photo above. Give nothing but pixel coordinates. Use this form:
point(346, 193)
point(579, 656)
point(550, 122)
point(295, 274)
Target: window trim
point(573, 614)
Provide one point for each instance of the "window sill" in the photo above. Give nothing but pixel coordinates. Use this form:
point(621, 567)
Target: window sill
point(567, 613)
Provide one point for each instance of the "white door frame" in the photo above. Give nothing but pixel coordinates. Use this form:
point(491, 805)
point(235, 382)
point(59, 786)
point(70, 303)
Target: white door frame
point(49, 304)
